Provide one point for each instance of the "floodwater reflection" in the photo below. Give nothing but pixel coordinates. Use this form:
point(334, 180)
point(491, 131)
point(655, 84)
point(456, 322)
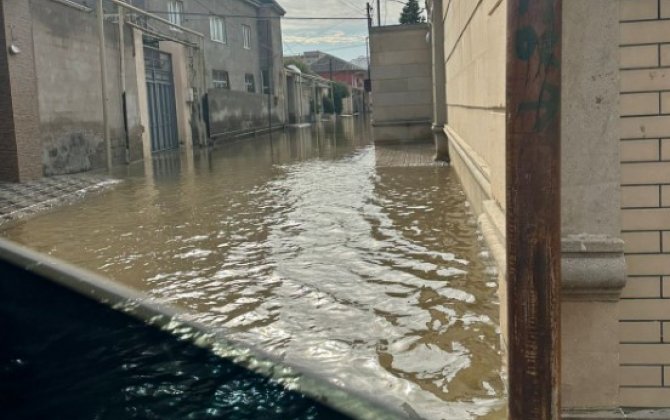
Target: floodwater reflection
point(370, 274)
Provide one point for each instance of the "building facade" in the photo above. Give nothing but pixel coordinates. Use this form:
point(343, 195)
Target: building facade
point(615, 168)
point(336, 69)
point(176, 74)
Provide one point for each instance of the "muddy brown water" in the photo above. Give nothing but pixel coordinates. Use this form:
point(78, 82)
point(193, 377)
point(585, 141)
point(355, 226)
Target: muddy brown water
point(314, 246)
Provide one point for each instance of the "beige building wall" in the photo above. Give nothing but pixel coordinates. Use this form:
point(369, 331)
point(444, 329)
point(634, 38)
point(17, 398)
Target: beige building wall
point(474, 54)
point(592, 254)
point(474, 50)
point(401, 72)
point(645, 192)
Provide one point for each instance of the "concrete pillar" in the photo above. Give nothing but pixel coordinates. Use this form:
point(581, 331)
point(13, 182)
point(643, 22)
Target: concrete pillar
point(142, 95)
point(20, 145)
point(439, 82)
point(593, 263)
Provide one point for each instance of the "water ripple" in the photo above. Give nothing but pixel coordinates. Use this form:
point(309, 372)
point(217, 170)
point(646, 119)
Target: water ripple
point(371, 276)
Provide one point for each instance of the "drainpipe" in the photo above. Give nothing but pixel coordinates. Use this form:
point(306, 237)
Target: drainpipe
point(122, 55)
point(204, 140)
point(103, 74)
point(439, 82)
point(534, 207)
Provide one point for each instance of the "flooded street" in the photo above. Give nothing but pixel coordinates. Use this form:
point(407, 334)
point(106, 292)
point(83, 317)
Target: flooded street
point(314, 246)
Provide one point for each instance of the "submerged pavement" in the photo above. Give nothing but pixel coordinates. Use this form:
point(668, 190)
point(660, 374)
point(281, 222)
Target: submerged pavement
point(29, 198)
point(361, 264)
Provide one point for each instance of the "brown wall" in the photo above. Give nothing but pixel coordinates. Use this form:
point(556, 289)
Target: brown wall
point(19, 146)
point(645, 181)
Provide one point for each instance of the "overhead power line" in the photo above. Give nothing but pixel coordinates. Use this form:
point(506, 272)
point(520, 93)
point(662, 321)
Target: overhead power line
point(159, 12)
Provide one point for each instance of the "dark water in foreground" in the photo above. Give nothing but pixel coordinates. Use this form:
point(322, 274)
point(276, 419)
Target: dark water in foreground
point(65, 357)
point(315, 247)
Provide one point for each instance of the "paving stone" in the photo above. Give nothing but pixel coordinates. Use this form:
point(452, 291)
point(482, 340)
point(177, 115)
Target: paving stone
point(20, 200)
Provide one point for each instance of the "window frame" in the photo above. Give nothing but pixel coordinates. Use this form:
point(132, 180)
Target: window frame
point(220, 82)
point(175, 10)
point(246, 37)
point(218, 24)
point(249, 83)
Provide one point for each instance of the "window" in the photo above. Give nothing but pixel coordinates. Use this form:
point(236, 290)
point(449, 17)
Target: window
point(175, 10)
point(249, 83)
point(220, 79)
point(217, 29)
point(246, 36)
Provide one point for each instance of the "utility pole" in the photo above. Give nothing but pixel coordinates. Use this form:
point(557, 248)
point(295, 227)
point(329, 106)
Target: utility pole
point(534, 208)
point(332, 88)
point(368, 10)
point(367, 54)
point(379, 14)
point(103, 77)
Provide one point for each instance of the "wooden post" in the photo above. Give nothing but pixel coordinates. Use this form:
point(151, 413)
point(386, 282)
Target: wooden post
point(533, 207)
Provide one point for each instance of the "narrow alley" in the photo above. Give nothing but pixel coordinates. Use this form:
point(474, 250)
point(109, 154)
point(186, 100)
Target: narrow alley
point(315, 246)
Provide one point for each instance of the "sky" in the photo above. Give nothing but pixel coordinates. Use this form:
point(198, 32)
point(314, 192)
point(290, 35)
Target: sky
point(342, 38)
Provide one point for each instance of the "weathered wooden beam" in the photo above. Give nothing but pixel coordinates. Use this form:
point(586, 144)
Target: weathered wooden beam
point(533, 207)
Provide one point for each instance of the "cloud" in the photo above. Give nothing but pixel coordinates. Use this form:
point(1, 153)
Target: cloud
point(347, 36)
point(335, 38)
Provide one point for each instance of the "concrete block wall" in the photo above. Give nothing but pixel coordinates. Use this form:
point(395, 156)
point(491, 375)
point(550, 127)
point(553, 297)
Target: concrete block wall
point(645, 200)
point(401, 72)
point(234, 113)
point(70, 94)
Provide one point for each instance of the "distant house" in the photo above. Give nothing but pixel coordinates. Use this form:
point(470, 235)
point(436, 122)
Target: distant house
point(337, 69)
point(361, 61)
point(304, 95)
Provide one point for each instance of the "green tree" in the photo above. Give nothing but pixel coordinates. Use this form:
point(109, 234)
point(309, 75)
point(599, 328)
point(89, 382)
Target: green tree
point(340, 91)
point(411, 13)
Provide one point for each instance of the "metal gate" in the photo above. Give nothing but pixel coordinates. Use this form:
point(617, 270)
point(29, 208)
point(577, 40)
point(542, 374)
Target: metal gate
point(160, 92)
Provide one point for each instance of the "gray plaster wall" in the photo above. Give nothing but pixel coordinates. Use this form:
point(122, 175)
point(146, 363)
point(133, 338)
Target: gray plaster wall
point(401, 72)
point(231, 56)
point(590, 172)
point(300, 92)
point(236, 60)
point(233, 113)
point(279, 88)
point(70, 94)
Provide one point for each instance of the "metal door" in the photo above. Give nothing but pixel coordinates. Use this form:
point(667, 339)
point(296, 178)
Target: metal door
point(161, 98)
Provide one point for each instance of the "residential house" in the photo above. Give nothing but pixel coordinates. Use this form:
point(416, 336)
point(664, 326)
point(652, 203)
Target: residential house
point(176, 73)
point(336, 69)
point(304, 95)
point(242, 60)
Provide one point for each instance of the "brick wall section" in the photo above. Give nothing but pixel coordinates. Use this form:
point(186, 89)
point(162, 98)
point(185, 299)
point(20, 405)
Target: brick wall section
point(20, 150)
point(645, 173)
